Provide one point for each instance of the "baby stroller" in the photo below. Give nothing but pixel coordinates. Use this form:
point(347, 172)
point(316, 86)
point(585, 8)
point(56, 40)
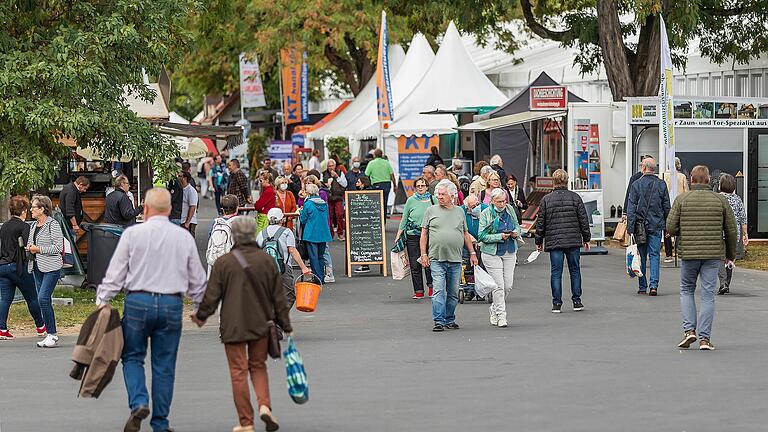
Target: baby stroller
point(467, 284)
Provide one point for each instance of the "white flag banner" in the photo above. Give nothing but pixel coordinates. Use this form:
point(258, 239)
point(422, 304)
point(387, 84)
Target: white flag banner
point(251, 89)
point(666, 111)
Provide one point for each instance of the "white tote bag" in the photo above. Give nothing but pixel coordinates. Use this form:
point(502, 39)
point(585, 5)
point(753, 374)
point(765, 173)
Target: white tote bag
point(633, 260)
point(399, 264)
point(484, 283)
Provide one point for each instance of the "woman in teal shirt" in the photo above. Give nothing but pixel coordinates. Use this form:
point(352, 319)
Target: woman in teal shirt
point(413, 213)
point(498, 235)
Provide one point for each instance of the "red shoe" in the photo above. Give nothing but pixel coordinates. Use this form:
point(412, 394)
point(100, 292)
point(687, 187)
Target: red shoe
point(5, 335)
point(429, 292)
point(41, 331)
point(418, 295)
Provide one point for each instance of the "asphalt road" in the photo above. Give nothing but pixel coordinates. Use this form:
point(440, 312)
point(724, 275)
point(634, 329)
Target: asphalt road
point(375, 365)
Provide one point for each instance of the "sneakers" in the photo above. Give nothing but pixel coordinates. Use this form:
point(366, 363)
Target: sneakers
point(640, 292)
point(668, 259)
point(418, 296)
point(556, 308)
point(134, 420)
point(265, 414)
point(723, 290)
point(578, 306)
point(363, 269)
point(494, 318)
point(438, 328)
point(6, 335)
point(430, 292)
point(41, 331)
point(502, 323)
point(50, 341)
point(688, 338)
point(706, 345)
point(452, 326)
point(652, 292)
point(329, 278)
point(243, 429)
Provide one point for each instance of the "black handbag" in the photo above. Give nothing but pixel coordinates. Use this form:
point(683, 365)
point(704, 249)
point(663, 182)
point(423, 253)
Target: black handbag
point(273, 338)
point(641, 236)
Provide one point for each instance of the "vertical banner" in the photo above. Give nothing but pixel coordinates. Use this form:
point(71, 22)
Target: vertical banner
point(595, 181)
point(412, 154)
point(581, 157)
point(304, 88)
point(665, 104)
point(251, 88)
point(294, 79)
point(383, 88)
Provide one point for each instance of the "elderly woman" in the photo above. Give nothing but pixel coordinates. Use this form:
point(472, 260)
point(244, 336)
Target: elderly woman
point(244, 320)
point(494, 182)
point(314, 178)
point(285, 201)
point(728, 188)
point(315, 231)
point(498, 234)
point(45, 243)
point(413, 215)
point(13, 267)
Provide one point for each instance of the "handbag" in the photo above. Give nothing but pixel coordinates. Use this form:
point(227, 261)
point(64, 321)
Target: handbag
point(621, 230)
point(399, 264)
point(273, 339)
point(296, 376)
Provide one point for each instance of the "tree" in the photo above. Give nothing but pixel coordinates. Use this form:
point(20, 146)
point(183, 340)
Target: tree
point(65, 68)
point(339, 146)
point(630, 51)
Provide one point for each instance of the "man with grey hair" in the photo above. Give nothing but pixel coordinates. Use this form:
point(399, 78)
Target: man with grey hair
point(647, 210)
point(497, 165)
point(444, 229)
point(481, 183)
point(428, 172)
point(155, 282)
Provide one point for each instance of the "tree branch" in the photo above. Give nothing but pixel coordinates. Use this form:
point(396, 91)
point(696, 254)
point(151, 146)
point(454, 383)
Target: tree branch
point(538, 28)
point(613, 50)
point(723, 12)
point(345, 67)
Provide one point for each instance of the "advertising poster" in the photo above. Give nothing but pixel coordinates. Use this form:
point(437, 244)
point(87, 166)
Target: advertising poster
point(581, 156)
point(383, 87)
point(251, 89)
point(413, 153)
point(594, 157)
point(294, 80)
point(593, 202)
point(280, 152)
point(719, 112)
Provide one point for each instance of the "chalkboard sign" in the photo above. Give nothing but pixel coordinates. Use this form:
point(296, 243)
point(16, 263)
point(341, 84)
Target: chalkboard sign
point(366, 241)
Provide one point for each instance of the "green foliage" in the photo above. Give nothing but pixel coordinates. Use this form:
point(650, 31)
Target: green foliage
point(257, 150)
point(65, 68)
point(339, 146)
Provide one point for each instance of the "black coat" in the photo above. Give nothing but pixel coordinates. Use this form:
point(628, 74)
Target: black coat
point(562, 221)
point(71, 203)
point(119, 209)
point(636, 176)
point(520, 197)
point(434, 160)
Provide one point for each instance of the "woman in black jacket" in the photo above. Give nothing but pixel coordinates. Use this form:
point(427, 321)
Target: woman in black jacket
point(434, 158)
point(13, 268)
point(516, 196)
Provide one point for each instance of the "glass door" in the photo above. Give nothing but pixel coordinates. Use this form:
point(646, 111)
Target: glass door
point(757, 181)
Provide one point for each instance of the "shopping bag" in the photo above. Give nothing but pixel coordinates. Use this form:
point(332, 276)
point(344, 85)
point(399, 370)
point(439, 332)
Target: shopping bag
point(296, 376)
point(399, 243)
point(67, 257)
point(484, 283)
point(399, 264)
point(633, 260)
point(621, 230)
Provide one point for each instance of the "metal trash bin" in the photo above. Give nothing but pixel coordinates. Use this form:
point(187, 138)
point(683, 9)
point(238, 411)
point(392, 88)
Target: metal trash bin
point(102, 242)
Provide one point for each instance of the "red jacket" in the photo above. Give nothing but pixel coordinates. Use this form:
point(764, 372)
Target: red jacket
point(266, 201)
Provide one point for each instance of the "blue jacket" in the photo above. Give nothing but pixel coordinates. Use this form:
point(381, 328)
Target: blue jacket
point(648, 201)
point(314, 220)
point(473, 223)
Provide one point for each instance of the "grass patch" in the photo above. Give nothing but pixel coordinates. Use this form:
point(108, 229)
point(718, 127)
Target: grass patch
point(757, 257)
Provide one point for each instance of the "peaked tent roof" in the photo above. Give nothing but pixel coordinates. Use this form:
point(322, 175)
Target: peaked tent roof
point(366, 97)
point(453, 80)
point(418, 60)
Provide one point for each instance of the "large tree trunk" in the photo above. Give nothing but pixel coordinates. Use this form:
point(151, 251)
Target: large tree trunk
point(613, 50)
point(645, 63)
point(355, 73)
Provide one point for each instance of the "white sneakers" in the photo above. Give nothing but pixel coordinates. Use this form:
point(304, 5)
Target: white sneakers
point(243, 429)
point(494, 318)
point(265, 414)
point(502, 323)
point(50, 341)
point(329, 278)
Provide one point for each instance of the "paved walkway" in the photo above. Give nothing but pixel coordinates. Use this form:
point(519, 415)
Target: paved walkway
point(375, 365)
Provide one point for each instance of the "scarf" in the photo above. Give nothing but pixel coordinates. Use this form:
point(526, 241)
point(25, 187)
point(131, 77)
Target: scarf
point(422, 197)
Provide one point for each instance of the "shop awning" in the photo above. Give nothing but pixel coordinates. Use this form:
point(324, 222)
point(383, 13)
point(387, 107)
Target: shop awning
point(510, 120)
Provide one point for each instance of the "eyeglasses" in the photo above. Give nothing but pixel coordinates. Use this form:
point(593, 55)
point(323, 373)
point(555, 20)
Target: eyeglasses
point(421, 185)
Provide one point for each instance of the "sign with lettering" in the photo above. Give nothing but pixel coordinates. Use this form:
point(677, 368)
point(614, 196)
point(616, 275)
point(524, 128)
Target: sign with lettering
point(366, 240)
point(547, 98)
point(251, 89)
point(702, 112)
point(294, 80)
point(413, 153)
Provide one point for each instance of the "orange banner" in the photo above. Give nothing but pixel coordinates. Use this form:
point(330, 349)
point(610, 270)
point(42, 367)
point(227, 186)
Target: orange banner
point(293, 75)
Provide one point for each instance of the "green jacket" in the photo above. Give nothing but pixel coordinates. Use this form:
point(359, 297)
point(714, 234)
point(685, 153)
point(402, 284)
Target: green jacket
point(487, 235)
point(700, 218)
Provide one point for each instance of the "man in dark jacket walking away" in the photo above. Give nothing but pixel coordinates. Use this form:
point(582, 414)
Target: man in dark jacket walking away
point(561, 229)
point(119, 208)
point(648, 205)
point(250, 298)
point(71, 203)
point(701, 219)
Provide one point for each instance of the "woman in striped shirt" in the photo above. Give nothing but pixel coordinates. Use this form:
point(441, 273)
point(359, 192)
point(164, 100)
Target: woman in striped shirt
point(45, 243)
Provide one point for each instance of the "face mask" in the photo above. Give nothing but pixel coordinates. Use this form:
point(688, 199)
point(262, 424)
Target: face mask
point(476, 211)
point(500, 209)
point(355, 164)
point(283, 186)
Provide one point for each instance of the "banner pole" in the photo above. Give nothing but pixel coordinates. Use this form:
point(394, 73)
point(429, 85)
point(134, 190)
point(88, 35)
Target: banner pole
point(280, 85)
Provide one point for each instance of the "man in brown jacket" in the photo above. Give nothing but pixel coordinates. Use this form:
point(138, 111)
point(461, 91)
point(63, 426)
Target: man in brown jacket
point(247, 307)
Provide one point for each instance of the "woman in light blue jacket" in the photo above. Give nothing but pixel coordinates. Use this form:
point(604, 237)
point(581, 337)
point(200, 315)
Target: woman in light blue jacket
point(45, 243)
point(498, 233)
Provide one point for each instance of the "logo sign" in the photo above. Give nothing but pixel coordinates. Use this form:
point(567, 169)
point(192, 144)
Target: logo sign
point(294, 76)
point(413, 152)
point(546, 98)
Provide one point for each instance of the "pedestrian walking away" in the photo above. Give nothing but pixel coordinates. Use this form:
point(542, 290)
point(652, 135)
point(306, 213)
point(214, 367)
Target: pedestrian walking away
point(155, 281)
point(706, 228)
point(45, 243)
point(561, 229)
point(220, 239)
point(434, 158)
point(410, 225)
point(728, 189)
point(498, 233)
point(443, 235)
point(14, 271)
point(648, 207)
point(379, 170)
point(249, 287)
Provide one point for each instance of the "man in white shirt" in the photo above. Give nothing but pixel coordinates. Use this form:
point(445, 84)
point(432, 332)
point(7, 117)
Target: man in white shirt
point(189, 203)
point(155, 281)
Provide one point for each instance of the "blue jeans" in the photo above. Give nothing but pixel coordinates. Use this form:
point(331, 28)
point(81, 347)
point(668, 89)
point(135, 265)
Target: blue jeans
point(9, 281)
point(653, 248)
point(556, 256)
point(690, 271)
point(45, 284)
point(327, 259)
point(445, 280)
point(176, 221)
point(316, 260)
point(158, 318)
point(386, 187)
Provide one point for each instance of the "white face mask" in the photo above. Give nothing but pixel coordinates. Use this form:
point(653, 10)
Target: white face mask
point(355, 164)
point(500, 209)
point(283, 186)
point(476, 211)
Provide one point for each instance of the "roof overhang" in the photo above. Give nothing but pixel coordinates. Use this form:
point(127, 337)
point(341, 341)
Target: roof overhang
point(510, 120)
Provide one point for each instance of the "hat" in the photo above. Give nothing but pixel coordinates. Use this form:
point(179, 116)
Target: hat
point(275, 216)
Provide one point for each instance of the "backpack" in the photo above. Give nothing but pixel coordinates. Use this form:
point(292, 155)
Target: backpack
point(271, 246)
point(220, 241)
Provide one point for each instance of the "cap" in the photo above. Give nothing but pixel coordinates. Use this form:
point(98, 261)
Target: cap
point(275, 215)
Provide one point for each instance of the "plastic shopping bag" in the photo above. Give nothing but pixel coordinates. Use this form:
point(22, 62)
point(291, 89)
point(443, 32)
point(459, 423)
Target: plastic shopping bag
point(399, 264)
point(633, 261)
point(298, 387)
point(484, 283)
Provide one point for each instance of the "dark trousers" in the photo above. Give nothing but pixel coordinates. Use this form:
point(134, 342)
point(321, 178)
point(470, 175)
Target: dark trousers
point(386, 187)
point(336, 216)
point(217, 194)
point(414, 252)
point(556, 256)
point(244, 358)
point(9, 281)
point(668, 248)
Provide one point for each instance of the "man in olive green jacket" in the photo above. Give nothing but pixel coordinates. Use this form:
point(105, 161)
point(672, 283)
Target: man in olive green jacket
point(706, 230)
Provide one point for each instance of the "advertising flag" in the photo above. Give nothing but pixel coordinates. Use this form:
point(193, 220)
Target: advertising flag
point(251, 89)
point(383, 87)
point(294, 79)
point(666, 111)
